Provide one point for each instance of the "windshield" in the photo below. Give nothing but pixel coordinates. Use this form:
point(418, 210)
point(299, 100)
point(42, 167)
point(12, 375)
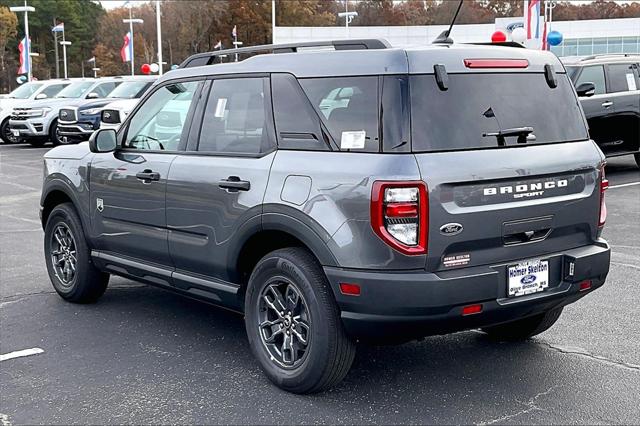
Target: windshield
point(75, 90)
point(129, 89)
point(24, 91)
point(482, 110)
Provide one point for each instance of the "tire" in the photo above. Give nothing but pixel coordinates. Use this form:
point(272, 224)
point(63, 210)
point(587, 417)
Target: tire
point(84, 285)
point(5, 133)
point(524, 328)
point(328, 354)
point(54, 137)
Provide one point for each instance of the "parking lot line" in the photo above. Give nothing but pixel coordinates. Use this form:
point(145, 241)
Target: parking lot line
point(624, 184)
point(22, 353)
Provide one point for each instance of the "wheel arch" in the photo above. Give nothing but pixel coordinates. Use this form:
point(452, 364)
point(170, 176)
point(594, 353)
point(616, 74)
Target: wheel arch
point(56, 193)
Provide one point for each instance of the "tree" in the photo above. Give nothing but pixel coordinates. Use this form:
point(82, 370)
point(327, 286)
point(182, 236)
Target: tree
point(8, 32)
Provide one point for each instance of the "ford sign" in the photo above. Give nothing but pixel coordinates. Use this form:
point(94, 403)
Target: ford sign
point(528, 279)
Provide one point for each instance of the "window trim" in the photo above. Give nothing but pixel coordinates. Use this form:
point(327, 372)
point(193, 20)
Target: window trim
point(124, 128)
point(193, 139)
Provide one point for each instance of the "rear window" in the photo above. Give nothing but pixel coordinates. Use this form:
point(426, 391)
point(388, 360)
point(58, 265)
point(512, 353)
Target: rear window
point(477, 104)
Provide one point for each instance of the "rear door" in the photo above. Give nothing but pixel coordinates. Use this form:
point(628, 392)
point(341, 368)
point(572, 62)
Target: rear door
point(216, 188)
point(624, 89)
point(491, 204)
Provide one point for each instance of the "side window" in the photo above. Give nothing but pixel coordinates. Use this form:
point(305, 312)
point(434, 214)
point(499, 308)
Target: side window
point(104, 89)
point(53, 90)
point(621, 78)
point(595, 75)
point(160, 121)
point(235, 117)
point(297, 124)
point(351, 108)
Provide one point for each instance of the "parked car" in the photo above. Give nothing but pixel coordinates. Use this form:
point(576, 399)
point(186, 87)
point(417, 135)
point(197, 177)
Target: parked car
point(609, 90)
point(77, 123)
point(456, 188)
point(36, 122)
point(114, 113)
point(23, 94)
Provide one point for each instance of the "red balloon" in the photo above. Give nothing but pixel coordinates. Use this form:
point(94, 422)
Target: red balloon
point(498, 37)
point(145, 68)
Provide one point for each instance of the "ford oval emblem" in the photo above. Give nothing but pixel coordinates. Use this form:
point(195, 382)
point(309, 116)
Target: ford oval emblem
point(451, 229)
point(528, 279)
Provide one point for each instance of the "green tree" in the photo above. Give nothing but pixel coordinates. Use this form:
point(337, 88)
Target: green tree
point(8, 31)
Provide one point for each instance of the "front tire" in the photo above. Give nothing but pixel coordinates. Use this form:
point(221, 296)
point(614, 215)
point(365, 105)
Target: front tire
point(293, 323)
point(54, 134)
point(73, 275)
point(525, 328)
point(5, 132)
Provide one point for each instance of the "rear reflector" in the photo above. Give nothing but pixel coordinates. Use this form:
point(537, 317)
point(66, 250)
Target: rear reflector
point(585, 285)
point(350, 289)
point(496, 63)
point(471, 309)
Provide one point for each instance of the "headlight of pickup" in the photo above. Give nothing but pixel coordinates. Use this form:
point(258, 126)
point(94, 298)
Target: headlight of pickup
point(39, 112)
point(91, 111)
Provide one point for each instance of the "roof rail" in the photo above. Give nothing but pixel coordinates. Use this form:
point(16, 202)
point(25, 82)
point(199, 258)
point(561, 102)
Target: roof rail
point(208, 58)
point(603, 55)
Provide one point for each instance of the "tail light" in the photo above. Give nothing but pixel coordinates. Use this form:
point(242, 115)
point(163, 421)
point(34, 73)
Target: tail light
point(604, 184)
point(400, 215)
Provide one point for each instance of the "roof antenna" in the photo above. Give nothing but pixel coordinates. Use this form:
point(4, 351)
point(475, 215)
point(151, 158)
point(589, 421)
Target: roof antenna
point(444, 38)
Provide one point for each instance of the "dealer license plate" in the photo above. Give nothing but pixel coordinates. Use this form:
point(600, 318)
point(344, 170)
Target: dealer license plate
point(531, 276)
point(16, 132)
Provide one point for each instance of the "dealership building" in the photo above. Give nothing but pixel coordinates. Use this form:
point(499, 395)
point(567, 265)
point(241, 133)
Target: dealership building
point(588, 37)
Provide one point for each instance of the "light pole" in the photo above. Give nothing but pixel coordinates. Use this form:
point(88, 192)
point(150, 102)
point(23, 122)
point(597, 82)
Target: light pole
point(158, 23)
point(348, 17)
point(26, 9)
point(95, 72)
point(64, 45)
point(132, 21)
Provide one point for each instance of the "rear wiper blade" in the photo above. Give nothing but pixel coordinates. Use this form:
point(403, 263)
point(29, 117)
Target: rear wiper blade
point(523, 133)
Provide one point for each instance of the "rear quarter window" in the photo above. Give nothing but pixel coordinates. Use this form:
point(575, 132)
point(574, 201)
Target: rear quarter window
point(476, 104)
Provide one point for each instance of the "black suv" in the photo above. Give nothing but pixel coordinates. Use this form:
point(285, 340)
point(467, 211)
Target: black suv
point(609, 91)
point(353, 191)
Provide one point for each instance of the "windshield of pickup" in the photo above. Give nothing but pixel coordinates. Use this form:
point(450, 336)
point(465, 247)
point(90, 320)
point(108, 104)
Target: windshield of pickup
point(75, 90)
point(479, 109)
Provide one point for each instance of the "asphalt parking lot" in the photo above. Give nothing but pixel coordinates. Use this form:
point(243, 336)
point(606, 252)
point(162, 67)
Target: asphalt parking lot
point(143, 355)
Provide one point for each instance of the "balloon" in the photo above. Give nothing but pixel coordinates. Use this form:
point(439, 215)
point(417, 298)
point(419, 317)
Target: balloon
point(554, 38)
point(154, 67)
point(175, 66)
point(519, 35)
point(21, 79)
point(498, 37)
point(145, 68)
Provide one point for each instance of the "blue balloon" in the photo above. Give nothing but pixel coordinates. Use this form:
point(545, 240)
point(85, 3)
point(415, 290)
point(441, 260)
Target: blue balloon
point(554, 38)
point(175, 67)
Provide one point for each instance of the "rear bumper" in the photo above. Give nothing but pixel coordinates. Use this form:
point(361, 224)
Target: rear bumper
point(415, 304)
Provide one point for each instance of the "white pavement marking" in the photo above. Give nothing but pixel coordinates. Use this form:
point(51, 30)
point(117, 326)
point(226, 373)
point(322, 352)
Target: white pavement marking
point(18, 354)
point(622, 185)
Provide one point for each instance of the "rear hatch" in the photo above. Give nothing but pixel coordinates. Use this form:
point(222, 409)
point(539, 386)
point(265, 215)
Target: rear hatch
point(508, 163)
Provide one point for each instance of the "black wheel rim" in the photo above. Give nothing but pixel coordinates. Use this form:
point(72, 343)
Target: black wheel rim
point(8, 135)
point(284, 323)
point(59, 139)
point(63, 254)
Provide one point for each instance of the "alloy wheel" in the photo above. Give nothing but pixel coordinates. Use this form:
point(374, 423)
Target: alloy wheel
point(284, 323)
point(63, 254)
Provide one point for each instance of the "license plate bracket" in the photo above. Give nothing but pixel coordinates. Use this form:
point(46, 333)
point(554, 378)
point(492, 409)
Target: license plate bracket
point(527, 277)
point(15, 132)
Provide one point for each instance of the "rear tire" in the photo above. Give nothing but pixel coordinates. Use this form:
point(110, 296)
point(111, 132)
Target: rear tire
point(525, 328)
point(303, 348)
point(73, 275)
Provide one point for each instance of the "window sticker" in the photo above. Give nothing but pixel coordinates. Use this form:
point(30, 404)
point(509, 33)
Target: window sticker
point(353, 139)
point(220, 107)
point(631, 82)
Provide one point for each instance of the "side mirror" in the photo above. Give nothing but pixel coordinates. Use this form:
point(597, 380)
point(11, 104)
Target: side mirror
point(41, 96)
point(93, 95)
point(103, 140)
point(586, 89)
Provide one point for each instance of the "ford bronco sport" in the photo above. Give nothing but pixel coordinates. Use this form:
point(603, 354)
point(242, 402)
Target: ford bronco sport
point(362, 192)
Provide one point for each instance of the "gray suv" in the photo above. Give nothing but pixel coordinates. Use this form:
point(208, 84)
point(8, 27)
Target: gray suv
point(356, 192)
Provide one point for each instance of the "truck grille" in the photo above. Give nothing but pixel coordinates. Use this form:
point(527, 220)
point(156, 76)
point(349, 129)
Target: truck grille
point(68, 115)
point(110, 116)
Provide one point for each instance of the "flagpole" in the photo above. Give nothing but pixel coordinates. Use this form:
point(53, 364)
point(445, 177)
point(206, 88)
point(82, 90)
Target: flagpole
point(158, 23)
point(64, 53)
point(131, 41)
point(55, 38)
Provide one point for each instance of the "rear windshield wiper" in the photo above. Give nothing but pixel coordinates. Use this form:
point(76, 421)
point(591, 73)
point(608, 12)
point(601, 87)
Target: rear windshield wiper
point(523, 133)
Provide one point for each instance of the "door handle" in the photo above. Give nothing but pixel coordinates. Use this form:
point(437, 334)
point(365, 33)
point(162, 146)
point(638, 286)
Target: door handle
point(234, 184)
point(607, 104)
point(148, 175)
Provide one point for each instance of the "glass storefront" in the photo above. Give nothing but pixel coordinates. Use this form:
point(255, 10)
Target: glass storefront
point(597, 45)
